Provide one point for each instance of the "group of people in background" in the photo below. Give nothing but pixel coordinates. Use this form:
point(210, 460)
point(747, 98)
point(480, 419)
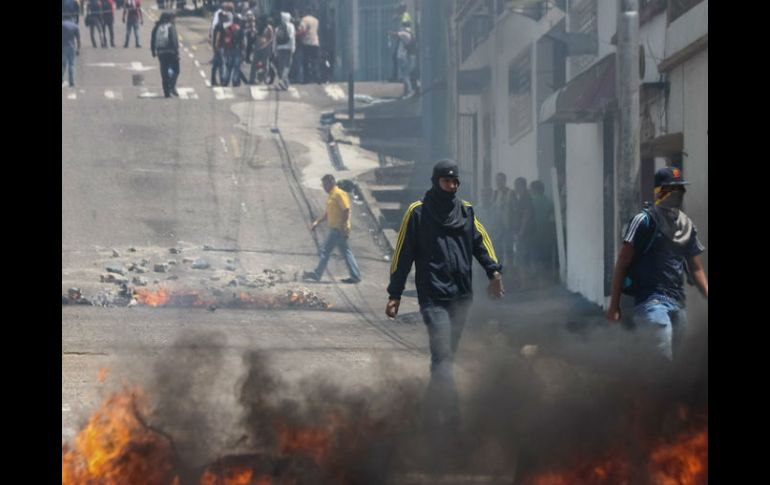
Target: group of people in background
point(521, 220)
point(241, 34)
point(100, 19)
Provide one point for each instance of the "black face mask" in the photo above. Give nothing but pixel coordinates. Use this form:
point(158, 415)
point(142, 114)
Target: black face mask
point(445, 207)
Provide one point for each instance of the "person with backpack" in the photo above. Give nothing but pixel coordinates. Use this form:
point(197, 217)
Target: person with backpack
point(165, 44)
point(405, 56)
point(132, 17)
point(285, 47)
point(231, 44)
point(660, 245)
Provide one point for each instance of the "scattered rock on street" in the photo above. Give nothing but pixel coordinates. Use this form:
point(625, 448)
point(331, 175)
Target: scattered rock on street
point(139, 281)
point(117, 269)
point(200, 263)
point(161, 267)
point(174, 250)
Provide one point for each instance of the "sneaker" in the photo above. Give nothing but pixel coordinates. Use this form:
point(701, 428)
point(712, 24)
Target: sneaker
point(351, 281)
point(310, 275)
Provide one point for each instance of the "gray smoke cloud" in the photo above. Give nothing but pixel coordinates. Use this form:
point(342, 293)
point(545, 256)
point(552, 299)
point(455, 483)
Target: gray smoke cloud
point(576, 390)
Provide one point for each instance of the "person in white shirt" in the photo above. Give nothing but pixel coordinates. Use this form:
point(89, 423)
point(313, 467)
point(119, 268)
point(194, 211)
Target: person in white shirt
point(310, 45)
point(286, 44)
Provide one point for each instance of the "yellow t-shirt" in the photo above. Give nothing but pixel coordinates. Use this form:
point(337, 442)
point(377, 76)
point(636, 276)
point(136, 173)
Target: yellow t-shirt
point(336, 203)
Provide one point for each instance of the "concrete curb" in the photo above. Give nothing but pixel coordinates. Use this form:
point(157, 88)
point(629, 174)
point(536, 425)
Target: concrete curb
point(374, 212)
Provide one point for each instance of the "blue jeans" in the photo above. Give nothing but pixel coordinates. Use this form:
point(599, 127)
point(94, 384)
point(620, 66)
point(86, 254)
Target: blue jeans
point(404, 73)
point(284, 66)
point(232, 69)
point(661, 323)
point(68, 63)
point(445, 322)
point(217, 66)
point(129, 27)
point(337, 238)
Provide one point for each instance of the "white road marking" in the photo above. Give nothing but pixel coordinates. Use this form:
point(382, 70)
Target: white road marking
point(110, 94)
point(190, 55)
point(208, 83)
point(187, 93)
point(197, 63)
point(221, 93)
point(335, 92)
point(293, 92)
point(137, 66)
point(193, 48)
point(146, 93)
point(72, 96)
point(203, 74)
point(65, 408)
point(258, 93)
point(224, 143)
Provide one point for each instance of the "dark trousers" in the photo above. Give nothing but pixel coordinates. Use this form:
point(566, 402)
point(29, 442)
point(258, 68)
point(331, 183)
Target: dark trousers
point(169, 62)
point(96, 24)
point(445, 322)
point(217, 66)
point(109, 22)
point(310, 63)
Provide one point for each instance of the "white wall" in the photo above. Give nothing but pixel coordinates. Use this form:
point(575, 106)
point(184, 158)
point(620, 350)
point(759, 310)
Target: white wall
point(513, 35)
point(688, 113)
point(688, 28)
point(585, 211)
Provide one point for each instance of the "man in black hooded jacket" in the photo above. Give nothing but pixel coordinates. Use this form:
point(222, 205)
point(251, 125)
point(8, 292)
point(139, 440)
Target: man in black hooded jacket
point(441, 235)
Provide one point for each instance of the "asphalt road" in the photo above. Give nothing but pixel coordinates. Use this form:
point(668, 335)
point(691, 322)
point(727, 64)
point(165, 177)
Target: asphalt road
point(142, 174)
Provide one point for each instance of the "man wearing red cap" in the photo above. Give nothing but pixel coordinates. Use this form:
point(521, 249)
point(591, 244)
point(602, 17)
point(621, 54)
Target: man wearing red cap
point(660, 246)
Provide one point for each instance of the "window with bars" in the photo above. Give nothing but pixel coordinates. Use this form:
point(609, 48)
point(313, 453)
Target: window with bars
point(582, 19)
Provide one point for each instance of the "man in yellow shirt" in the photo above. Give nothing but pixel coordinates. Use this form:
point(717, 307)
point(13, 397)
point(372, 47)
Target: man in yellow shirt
point(337, 217)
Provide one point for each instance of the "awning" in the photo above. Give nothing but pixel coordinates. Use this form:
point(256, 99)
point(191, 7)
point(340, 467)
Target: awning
point(473, 81)
point(585, 98)
point(663, 146)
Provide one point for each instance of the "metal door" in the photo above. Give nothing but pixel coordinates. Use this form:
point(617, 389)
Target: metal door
point(375, 52)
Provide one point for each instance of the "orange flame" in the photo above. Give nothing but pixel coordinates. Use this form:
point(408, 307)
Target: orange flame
point(115, 448)
point(103, 373)
point(682, 463)
point(152, 298)
point(232, 476)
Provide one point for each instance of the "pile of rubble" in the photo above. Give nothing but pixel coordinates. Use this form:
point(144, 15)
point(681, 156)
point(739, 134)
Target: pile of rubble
point(155, 278)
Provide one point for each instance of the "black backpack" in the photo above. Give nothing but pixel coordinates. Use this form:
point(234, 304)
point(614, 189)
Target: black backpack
point(282, 35)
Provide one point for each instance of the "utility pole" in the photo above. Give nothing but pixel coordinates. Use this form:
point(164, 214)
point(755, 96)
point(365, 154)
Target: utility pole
point(351, 62)
point(627, 79)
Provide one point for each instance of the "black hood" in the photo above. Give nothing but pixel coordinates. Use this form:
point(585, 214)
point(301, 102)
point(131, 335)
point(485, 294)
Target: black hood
point(445, 207)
